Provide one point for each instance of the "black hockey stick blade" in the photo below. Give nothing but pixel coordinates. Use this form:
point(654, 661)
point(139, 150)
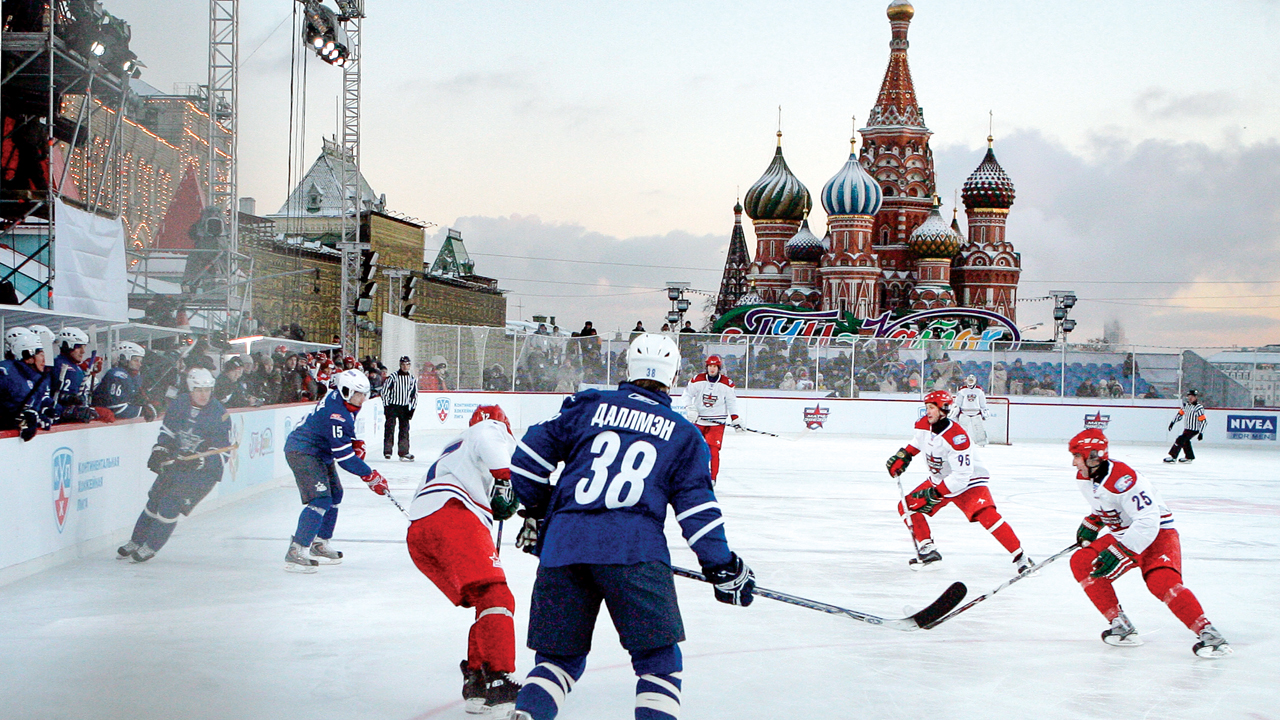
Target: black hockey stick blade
point(938, 608)
point(948, 614)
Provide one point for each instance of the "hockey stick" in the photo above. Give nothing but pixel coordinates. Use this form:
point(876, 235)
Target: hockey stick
point(202, 454)
point(906, 518)
point(1002, 586)
point(399, 507)
point(739, 426)
point(923, 619)
point(497, 544)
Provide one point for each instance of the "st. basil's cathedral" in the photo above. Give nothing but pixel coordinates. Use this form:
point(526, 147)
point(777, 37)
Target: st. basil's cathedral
point(887, 247)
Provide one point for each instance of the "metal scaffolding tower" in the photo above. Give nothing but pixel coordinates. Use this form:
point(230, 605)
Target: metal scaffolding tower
point(352, 12)
point(223, 109)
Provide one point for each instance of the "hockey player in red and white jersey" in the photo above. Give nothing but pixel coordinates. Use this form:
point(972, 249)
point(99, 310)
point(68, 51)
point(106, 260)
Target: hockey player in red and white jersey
point(1138, 533)
point(711, 404)
point(956, 476)
point(971, 410)
point(464, 491)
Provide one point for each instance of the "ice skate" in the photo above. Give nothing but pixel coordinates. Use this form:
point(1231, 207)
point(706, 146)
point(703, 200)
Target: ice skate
point(521, 715)
point(408, 457)
point(1186, 460)
point(124, 551)
point(472, 689)
point(296, 560)
point(1024, 563)
point(1121, 633)
point(324, 554)
point(142, 554)
point(927, 557)
point(1211, 644)
point(1170, 459)
point(500, 692)
point(386, 456)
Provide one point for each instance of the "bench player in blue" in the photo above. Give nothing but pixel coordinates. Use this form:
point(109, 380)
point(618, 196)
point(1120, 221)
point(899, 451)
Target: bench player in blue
point(325, 437)
point(598, 532)
point(120, 390)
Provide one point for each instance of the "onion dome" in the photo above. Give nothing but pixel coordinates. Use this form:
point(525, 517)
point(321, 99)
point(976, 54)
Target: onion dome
point(989, 186)
point(751, 298)
point(852, 191)
point(934, 238)
point(804, 246)
point(778, 194)
point(901, 10)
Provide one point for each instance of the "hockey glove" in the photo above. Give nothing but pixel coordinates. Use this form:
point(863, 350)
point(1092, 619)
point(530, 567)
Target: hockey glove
point(734, 582)
point(1200, 436)
point(105, 415)
point(81, 413)
point(1172, 424)
point(148, 412)
point(503, 501)
point(357, 447)
point(191, 465)
point(898, 463)
point(925, 500)
point(527, 539)
point(1113, 561)
point(28, 424)
point(160, 455)
point(1088, 530)
point(376, 482)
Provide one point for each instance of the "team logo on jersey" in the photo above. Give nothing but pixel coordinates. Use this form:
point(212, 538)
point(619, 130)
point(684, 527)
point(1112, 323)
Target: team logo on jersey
point(1097, 421)
point(961, 438)
point(1124, 483)
point(815, 416)
point(442, 408)
point(63, 467)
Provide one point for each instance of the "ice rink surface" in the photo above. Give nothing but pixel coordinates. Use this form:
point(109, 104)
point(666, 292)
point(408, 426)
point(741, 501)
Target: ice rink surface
point(214, 628)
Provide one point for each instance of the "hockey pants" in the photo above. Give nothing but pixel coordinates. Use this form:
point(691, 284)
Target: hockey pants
point(1161, 565)
point(396, 414)
point(1183, 443)
point(977, 505)
point(173, 494)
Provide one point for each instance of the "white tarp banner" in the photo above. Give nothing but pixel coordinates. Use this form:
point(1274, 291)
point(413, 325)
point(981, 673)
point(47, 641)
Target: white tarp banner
point(89, 265)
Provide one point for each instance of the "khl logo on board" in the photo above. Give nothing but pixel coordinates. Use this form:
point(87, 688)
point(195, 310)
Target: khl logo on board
point(442, 408)
point(62, 467)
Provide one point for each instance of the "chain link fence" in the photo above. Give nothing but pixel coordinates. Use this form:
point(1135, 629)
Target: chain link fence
point(452, 357)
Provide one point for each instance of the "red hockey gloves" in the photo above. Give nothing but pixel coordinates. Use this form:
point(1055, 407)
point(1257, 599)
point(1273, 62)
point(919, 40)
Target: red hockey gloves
point(376, 482)
point(503, 500)
point(734, 582)
point(357, 447)
point(1088, 530)
point(105, 415)
point(925, 500)
point(1113, 561)
point(160, 457)
point(527, 539)
point(898, 462)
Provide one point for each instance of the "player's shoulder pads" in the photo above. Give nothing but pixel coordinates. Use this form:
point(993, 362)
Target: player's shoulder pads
point(724, 380)
point(1121, 479)
point(956, 437)
point(923, 424)
point(700, 377)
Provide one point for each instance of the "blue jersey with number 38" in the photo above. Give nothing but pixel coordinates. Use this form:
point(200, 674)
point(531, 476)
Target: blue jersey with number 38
point(627, 456)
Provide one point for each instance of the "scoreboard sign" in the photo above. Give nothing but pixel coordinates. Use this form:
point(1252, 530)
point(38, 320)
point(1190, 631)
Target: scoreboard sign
point(1251, 427)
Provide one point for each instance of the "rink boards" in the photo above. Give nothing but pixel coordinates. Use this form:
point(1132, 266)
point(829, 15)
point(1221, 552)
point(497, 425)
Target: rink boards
point(78, 490)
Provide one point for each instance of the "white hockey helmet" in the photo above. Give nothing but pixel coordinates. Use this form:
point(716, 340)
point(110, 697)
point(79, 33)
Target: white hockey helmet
point(13, 334)
point(971, 381)
point(124, 351)
point(46, 335)
point(24, 344)
point(350, 382)
point(72, 336)
point(199, 378)
point(653, 357)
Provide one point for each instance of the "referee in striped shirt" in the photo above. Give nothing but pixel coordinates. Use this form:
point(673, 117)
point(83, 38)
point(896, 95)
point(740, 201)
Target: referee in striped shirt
point(1193, 422)
point(399, 398)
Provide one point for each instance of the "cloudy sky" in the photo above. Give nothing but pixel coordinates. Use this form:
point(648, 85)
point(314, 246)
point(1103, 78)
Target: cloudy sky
point(590, 151)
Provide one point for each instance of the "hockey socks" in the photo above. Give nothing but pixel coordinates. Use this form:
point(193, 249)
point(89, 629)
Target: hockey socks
point(1166, 584)
point(658, 684)
point(991, 519)
point(311, 519)
point(327, 523)
point(1099, 590)
point(548, 684)
point(492, 638)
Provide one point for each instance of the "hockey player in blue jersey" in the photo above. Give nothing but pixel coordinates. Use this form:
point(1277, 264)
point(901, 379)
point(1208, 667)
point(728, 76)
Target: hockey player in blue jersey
point(194, 424)
point(598, 532)
point(327, 436)
point(25, 404)
point(120, 391)
point(70, 383)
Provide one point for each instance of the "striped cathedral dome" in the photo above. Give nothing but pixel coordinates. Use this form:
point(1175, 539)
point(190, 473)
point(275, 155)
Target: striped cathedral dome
point(778, 194)
point(852, 191)
point(934, 238)
point(804, 246)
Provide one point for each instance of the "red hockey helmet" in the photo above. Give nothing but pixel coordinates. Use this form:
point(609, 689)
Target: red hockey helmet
point(941, 398)
point(1091, 444)
point(490, 412)
point(714, 360)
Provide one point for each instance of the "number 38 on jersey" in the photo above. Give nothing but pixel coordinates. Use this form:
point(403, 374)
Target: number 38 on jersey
point(618, 483)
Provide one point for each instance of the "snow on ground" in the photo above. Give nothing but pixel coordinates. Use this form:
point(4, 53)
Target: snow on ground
point(214, 628)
